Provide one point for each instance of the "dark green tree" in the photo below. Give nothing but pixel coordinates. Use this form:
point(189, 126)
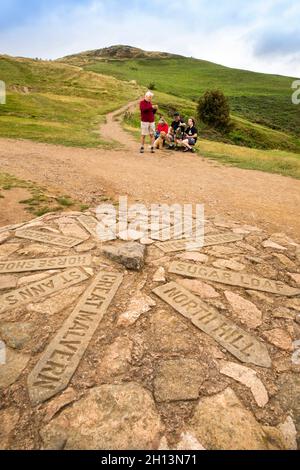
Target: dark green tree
point(214, 110)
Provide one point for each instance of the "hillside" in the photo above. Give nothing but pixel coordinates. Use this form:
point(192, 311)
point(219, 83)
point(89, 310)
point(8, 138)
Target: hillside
point(57, 103)
point(262, 99)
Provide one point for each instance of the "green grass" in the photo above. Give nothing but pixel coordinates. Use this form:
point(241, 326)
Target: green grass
point(254, 97)
point(40, 202)
point(58, 103)
point(271, 161)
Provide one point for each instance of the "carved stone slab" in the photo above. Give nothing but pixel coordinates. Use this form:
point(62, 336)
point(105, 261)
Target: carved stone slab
point(51, 239)
point(238, 342)
point(249, 281)
point(43, 264)
point(209, 240)
point(39, 289)
point(58, 363)
point(89, 223)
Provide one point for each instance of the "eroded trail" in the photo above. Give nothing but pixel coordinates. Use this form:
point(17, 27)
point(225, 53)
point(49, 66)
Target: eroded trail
point(250, 196)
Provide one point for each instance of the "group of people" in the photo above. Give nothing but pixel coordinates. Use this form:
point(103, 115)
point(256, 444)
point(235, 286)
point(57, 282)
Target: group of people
point(177, 135)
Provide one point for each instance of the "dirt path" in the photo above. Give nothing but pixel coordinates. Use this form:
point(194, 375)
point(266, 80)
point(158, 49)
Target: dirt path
point(254, 197)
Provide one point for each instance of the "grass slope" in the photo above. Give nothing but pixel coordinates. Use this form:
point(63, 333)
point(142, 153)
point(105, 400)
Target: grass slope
point(256, 99)
point(57, 103)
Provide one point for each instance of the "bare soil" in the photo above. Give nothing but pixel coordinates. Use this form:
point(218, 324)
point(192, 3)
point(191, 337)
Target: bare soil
point(254, 197)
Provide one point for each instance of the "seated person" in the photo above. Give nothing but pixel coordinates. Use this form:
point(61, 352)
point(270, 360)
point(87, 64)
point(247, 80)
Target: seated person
point(176, 126)
point(161, 133)
point(191, 136)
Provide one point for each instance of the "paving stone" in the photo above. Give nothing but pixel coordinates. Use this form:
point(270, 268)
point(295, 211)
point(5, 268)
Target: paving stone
point(147, 241)
point(131, 235)
point(115, 417)
point(189, 442)
point(192, 245)
point(288, 397)
point(249, 281)
point(16, 335)
point(64, 399)
point(237, 341)
point(199, 288)
point(4, 236)
point(279, 338)
point(84, 247)
point(72, 229)
point(271, 244)
point(38, 290)
point(160, 275)
point(116, 358)
point(9, 418)
point(57, 303)
point(8, 249)
point(12, 369)
point(178, 379)
point(247, 312)
point(229, 264)
point(284, 260)
point(44, 264)
point(8, 282)
point(285, 313)
point(193, 256)
point(138, 305)
point(295, 277)
point(131, 255)
point(247, 377)
point(36, 249)
point(60, 360)
point(221, 422)
point(289, 432)
point(52, 239)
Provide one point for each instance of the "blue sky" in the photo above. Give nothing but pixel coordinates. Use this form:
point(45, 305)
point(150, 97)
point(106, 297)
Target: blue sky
point(260, 35)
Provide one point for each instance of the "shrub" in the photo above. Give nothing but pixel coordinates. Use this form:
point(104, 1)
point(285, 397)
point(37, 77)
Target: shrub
point(214, 110)
point(151, 86)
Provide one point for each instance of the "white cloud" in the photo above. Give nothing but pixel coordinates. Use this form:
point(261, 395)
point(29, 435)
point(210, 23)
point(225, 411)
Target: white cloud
point(228, 38)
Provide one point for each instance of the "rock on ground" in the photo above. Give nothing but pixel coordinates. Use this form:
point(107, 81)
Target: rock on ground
point(131, 255)
point(247, 312)
point(221, 422)
point(110, 417)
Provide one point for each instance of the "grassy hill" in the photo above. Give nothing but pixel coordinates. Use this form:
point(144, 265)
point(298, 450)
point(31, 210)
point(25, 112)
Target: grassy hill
point(262, 110)
point(58, 103)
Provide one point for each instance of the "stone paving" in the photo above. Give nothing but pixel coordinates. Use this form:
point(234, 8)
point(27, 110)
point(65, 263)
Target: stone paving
point(136, 343)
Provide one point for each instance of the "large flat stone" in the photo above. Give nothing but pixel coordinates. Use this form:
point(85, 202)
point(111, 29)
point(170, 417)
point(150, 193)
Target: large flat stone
point(12, 369)
point(110, 417)
point(52, 239)
point(247, 312)
point(16, 335)
point(44, 264)
point(59, 362)
point(40, 289)
point(238, 342)
point(248, 281)
point(221, 422)
point(189, 244)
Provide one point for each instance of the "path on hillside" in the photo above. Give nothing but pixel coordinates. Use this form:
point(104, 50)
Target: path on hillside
point(169, 177)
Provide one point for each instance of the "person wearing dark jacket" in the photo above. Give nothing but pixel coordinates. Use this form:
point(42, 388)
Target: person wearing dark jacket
point(148, 120)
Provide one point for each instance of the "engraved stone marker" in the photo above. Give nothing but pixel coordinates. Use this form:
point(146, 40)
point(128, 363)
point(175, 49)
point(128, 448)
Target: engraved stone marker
point(237, 341)
point(89, 223)
point(250, 281)
point(209, 240)
point(23, 265)
point(52, 239)
point(58, 363)
point(39, 289)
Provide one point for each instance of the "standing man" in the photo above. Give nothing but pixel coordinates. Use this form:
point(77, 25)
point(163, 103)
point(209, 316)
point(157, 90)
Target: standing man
point(148, 120)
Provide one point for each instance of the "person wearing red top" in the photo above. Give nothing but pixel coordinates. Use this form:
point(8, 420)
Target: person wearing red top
point(147, 120)
point(161, 133)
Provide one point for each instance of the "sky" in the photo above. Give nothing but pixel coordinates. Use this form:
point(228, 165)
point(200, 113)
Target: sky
point(259, 35)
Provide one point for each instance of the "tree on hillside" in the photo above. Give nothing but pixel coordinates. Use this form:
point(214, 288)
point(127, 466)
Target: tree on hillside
point(214, 110)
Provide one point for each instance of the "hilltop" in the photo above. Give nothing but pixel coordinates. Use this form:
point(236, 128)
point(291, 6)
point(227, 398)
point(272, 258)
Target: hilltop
point(117, 52)
point(260, 103)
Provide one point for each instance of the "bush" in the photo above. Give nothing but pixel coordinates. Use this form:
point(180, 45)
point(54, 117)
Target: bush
point(151, 86)
point(214, 110)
